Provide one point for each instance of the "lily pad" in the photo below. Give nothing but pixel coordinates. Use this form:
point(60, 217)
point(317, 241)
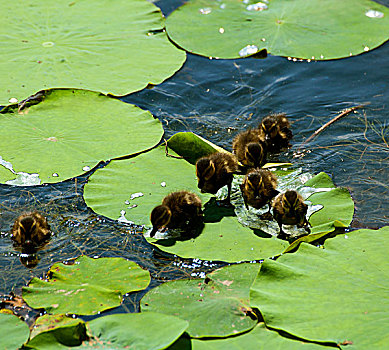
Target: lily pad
point(296, 28)
point(141, 331)
point(259, 338)
point(69, 132)
point(216, 306)
point(13, 331)
point(337, 294)
point(105, 46)
point(52, 332)
point(139, 184)
point(87, 287)
point(226, 240)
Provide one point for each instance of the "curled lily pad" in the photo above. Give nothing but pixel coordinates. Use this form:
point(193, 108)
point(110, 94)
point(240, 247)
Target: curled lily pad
point(216, 306)
point(105, 46)
point(296, 28)
point(336, 294)
point(68, 132)
point(87, 287)
point(57, 332)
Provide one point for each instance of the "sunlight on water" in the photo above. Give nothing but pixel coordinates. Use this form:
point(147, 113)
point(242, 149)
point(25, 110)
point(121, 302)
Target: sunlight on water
point(205, 11)
point(248, 50)
point(259, 6)
point(374, 14)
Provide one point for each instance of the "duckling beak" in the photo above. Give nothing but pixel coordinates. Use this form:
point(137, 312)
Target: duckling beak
point(153, 231)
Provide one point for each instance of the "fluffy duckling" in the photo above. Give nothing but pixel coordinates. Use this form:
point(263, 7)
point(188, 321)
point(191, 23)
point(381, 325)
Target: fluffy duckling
point(30, 231)
point(289, 209)
point(275, 131)
point(215, 171)
point(177, 210)
point(258, 188)
point(250, 149)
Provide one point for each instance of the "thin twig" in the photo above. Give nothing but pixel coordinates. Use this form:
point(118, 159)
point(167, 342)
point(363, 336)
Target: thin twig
point(333, 120)
point(167, 151)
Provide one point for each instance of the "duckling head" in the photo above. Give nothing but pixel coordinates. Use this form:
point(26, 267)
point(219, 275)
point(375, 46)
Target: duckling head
point(255, 154)
point(254, 184)
point(205, 169)
point(27, 230)
point(160, 218)
point(289, 200)
point(270, 127)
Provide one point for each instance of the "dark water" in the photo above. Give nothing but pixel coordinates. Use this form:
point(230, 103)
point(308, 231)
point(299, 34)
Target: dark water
point(216, 99)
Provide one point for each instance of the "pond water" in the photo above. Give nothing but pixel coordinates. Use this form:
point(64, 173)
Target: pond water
point(216, 99)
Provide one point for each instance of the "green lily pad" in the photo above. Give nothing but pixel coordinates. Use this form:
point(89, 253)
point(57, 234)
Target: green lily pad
point(106, 46)
point(87, 287)
point(259, 338)
point(69, 132)
point(52, 332)
point(141, 331)
point(216, 306)
point(226, 240)
point(147, 179)
point(337, 294)
point(13, 331)
point(296, 28)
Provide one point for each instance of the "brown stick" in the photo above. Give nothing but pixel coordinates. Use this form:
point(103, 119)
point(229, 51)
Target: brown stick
point(167, 151)
point(333, 120)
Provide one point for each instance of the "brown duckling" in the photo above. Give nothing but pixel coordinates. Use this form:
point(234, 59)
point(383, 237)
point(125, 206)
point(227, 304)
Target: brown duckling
point(178, 209)
point(289, 209)
point(258, 189)
point(30, 231)
point(215, 171)
point(275, 131)
point(250, 149)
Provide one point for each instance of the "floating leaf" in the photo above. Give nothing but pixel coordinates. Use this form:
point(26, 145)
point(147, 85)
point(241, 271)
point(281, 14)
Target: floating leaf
point(337, 294)
point(69, 132)
point(259, 338)
point(52, 332)
point(13, 331)
point(216, 306)
point(226, 240)
point(141, 331)
point(139, 184)
point(102, 46)
point(88, 286)
point(296, 28)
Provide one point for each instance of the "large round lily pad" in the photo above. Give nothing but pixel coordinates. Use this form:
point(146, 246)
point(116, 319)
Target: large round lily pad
point(107, 46)
point(296, 28)
point(69, 132)
point(139, 184)
point(13, 331)
point(337, 294)
point(259, 338)
point(88, 286)
point(216, 306)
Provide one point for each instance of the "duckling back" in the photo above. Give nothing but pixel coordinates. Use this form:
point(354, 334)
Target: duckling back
point(275, 131)
point(215, 171)
point(249, 148)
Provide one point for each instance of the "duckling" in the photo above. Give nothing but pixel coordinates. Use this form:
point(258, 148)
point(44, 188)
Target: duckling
point(177, 210)
point(258, 189)
point(289, 209)
point(275, 131)
point(215, 171)
point(250, 149)
point(30, 231)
